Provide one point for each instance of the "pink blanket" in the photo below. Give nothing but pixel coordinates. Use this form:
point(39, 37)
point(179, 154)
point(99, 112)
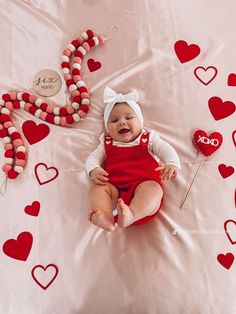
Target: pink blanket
point(52, 260)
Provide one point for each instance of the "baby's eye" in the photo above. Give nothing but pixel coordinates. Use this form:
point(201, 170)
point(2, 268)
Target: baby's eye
point(113, 121)
point(128, 118)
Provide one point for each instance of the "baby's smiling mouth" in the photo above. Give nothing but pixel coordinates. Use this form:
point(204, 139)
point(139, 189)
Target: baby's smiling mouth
point(124, 130)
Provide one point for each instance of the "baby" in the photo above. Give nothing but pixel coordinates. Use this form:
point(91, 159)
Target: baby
point(125, 166)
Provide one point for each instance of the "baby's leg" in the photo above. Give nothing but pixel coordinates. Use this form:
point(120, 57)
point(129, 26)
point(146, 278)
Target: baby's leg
point(146, 201)
point(103, 199)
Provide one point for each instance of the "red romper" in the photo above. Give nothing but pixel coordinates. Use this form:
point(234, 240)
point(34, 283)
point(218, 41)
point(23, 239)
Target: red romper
point(128, 167)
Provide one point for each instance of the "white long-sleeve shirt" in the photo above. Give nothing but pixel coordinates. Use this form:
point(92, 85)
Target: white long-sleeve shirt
point(158, 148)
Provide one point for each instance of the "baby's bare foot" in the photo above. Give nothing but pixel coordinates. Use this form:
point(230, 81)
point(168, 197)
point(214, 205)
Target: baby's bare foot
point(99, 218)
point(125, 215)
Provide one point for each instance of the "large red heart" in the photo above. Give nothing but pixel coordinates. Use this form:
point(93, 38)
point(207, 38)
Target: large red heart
point(93, 65)
point(35, 133)
point(226, 260)
point(47, 280)
point(186, 52)
point(220, 109)
point(225, 171)
point(232, 79)
point(33, 209)
point(207, 144)
point(20, 248)
point(230, 222)
point(205, 75)
point(45, 174)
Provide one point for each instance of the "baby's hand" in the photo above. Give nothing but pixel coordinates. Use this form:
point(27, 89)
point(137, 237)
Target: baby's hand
point(99, 176)
point(168, 172)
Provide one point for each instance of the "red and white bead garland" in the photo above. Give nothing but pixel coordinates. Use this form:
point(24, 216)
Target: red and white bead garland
point(15, 151)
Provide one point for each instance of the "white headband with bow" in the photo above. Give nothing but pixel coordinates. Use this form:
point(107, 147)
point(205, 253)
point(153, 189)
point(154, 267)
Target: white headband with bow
point(110, 98)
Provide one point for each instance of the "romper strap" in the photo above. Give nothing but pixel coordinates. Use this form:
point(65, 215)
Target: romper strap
point(107, 141)
point(144, 140)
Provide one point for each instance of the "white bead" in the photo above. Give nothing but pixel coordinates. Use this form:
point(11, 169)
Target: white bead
point(85, 101)
point(11, 130)
point(38, 102)
point(71, 47)
point(2, 102)
point(80, 83)
point(75, 105)
point(22, 104)
point(96, 41)
point(19, 95)
point(5, 111)
point(72, 87)
point(9, 161)
point(82, 50)
point(56, 110)
point(38, 113)
point(76, 66)
point(20, 149)
point(76, 117)
point(65, 70)
point(57, 120)
point(6, 140)
point(85, 35)
point(18, 169)
point(65, 58)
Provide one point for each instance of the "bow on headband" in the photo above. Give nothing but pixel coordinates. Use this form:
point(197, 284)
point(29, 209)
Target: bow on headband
point(110, 98)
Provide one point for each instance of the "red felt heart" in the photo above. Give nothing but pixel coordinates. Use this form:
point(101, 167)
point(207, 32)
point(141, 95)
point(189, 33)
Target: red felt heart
point(20, 248)
point(229, 223)
point(49, 277)
point(93, 65)
point(234, 137)
point(33, 209)
point(206, 75)
point(45, 174)
point(232, 79)
point(207, 144)
point(226, 260)
point(186, 52)
point(220, 109)
point(35, 133)
point(225, 171)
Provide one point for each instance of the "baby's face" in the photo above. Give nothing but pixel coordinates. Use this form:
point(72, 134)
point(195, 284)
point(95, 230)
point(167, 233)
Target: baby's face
point(123, 125)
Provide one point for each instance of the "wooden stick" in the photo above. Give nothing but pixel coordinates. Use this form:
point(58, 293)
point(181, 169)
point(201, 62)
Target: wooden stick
point(194, 178)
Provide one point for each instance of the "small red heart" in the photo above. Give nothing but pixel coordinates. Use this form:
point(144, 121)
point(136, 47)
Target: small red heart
point(232, 79)
point(20, 248)
point(33, 209)
point(220, 109)
point(206, 75)
point(49, 173)
point(230, 222)
point(186, 52)
point(225, 171)
point(226, 260)
point(48, 281)
point(93, 65)
point(207, 144)
point(35, 133)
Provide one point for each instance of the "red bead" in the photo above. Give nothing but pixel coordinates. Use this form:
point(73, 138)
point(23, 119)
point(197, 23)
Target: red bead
point(49, 118)
point(16, 104)
point(70, 119)
point(43, 106)
point(75, 72)
point(65, 65)
point(20, 155)
point(15, 136)
point(75, 43)
point(83, 89)
point(91, 42)
point(78, 54)
point(33, 109)
point(4, 118)
point(90, 33)
point(25, 96)
point(84, 108)
point(63, 111)
point(77, 99)
point(12, 174)
point(3, 133)
point(69, 82)
point(6, 97)
point(9, 153)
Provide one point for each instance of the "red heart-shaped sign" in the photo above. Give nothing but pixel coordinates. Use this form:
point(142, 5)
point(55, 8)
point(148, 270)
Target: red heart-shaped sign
point(33, 209)
point(230, 229)
point(225, 171)
point(207, 144)
point(205, 75)
point(45, 174)
point(186, 52)
point(93, 65)
point(20, 248)
point(44, 276)
point(226, 260)
point(232, 79)
point(220, 109)
point(33, 132)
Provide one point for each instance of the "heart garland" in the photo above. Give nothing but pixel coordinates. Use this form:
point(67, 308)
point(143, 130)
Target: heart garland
point(15, 151)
